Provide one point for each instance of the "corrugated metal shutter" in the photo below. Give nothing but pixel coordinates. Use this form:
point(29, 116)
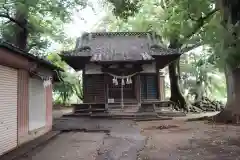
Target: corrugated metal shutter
point(37, 104)
point(23, 100)
point(8, 109)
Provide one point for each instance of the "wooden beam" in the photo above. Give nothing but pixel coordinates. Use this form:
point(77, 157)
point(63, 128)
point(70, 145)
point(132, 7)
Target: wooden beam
point(138, 89)
point(106, 90)
point(84, 85)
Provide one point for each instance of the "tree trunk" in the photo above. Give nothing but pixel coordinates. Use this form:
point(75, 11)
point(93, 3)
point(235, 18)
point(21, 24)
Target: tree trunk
point(230, 88)
point(176, 95)
point(230, 13)
point(174, 76)
point(199, 91)
point(21, 33)
point(229, 114)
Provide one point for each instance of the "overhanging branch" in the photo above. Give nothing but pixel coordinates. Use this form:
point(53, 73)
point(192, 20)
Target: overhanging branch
point(199, 23)
point(7, 16)
point(186, 49)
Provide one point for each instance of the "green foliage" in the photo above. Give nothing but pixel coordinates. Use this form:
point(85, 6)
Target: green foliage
point(199, 76)
point(124, 8)
point(69, 85)
point(223, 39)
point(64, 89)
point(192, 24)
point(172, 19)
point(45, 20)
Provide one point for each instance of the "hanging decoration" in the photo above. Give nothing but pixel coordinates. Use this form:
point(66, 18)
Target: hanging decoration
point(47, 82)
point(115, 81)
point(128, 80)
point(123, 79)
point(123, 83)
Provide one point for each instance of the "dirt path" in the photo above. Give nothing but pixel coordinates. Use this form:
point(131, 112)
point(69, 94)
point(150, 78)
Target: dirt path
point(179, 140)
point(87, 141)
point(127, 140)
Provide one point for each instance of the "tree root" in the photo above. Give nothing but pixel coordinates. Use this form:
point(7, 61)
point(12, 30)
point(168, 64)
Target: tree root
point(226, 117)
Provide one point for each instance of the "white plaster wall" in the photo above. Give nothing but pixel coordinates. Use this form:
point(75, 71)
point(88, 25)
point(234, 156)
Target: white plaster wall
point(93, 69)
point(96, 69)
point(149, 68)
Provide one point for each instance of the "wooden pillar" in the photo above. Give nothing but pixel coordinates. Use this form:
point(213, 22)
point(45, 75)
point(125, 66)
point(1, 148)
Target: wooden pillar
point(161, 85)
point(84, 86)
point(106, 90)
point(138, 89)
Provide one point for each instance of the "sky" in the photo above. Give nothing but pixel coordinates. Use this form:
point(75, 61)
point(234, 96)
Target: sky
point(85, 20)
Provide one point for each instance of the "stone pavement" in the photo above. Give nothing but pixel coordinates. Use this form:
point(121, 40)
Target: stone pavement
point(123, 141)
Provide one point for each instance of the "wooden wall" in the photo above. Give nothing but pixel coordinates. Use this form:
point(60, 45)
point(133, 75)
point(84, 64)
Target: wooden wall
point(149, 86)
point(93, 87)
point(98, 87)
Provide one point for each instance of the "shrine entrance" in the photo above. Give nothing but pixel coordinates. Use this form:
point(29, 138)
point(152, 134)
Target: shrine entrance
point(122, 83)
point(114, 89)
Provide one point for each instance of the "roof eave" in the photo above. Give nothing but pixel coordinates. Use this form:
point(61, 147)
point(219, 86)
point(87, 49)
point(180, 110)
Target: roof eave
point(76, 62)
point(9, 46)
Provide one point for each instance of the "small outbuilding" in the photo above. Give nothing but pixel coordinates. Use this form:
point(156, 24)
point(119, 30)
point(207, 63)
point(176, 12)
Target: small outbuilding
point(25, 96)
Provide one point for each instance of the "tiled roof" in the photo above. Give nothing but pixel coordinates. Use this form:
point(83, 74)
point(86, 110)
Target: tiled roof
point(16, 50)
point(119, 46)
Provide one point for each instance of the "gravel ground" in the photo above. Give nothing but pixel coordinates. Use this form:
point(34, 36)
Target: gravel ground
point(128, 140)
point(179, 140)
point(123, 141)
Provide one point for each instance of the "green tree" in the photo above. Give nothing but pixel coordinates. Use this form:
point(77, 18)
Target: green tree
point(178, 22)
point(70, 83)
point(32, 24)
point(200, 76)
point(226, 46)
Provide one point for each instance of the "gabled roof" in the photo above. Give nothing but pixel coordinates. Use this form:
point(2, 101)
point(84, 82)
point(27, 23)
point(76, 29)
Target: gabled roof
point(110, 47)
point(16, 50)
point(119, 46)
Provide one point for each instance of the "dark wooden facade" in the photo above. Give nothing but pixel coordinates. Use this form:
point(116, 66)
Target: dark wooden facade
point(99, 88)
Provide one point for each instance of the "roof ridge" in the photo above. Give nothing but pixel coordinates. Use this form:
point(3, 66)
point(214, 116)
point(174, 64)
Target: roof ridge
point(121, 33)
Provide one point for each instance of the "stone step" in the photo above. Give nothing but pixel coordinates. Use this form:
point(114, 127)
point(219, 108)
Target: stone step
point(171, 113)
point(89, 110)
point(119, 106)
point(81, 110)
point(77, 115)
point(125, 110)
point(131, 116)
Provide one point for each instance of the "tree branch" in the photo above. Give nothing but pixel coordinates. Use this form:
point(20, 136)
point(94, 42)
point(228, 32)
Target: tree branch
point(31, 46)
point(200, 23)
point(186, 49)
point(193, 19)
point(7, 16)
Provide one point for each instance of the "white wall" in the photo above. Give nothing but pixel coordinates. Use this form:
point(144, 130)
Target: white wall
point(149, 68)
point(93, 69)
point(96, 69)
point(37, 104)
